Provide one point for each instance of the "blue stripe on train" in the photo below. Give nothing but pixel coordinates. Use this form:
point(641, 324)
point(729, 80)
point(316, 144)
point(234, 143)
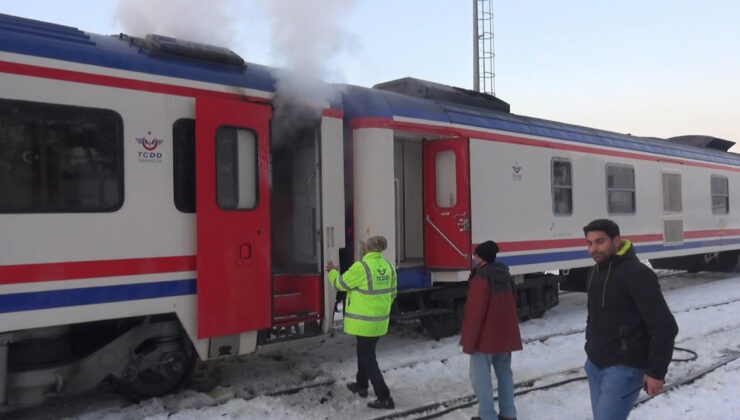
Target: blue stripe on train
point(407, 279)
point(539, 258)
point(29, 301)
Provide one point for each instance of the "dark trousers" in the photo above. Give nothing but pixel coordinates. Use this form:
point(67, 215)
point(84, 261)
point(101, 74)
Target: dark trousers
point(367, 367)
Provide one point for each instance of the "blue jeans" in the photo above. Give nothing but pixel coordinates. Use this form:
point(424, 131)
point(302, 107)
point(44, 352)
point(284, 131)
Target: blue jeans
point(480, 378)
point(614, 390)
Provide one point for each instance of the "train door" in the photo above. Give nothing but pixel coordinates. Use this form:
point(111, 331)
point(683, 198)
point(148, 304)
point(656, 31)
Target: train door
point(446, 203)
point(232, 216)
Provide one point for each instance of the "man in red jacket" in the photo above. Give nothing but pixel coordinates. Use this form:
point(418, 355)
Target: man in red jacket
point(490, 332)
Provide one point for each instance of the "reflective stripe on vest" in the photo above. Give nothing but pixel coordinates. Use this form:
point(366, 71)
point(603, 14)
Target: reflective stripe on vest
point(366, 317)
point(341, 281)
point(369, 276)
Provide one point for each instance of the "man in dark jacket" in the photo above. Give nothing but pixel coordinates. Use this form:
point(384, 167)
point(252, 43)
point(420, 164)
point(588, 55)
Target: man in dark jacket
point(629, 330)
point(490, 332)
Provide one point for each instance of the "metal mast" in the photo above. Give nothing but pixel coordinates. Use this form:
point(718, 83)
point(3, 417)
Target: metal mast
point(483, 55)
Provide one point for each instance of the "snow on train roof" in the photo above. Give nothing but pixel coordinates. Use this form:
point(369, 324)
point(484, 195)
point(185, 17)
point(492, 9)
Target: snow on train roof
point(31, 37)
point(362, 102)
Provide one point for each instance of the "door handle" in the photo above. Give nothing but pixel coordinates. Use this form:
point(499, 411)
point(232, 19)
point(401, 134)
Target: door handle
point(245, 251)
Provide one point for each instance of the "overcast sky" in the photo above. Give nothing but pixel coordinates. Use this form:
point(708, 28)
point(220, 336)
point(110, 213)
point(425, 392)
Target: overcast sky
point(655, 68)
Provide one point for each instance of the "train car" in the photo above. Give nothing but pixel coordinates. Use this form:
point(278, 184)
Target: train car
point(111, 144)
point(466, 170)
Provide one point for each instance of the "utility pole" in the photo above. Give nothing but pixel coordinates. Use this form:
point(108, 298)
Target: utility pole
point(483, 55)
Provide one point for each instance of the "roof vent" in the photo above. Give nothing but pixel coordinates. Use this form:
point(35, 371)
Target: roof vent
point(707, 142)
point(173, 47)
point(439, 92)
point(43, 29)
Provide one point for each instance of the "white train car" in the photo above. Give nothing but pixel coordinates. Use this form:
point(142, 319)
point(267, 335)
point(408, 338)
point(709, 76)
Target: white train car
point(105, 267)
point(465, 170)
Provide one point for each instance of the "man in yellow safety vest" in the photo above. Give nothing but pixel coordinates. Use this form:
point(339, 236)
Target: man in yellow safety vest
point(371, 287)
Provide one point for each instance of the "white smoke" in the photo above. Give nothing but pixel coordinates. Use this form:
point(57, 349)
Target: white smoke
point(208, 22)
point(307, 38)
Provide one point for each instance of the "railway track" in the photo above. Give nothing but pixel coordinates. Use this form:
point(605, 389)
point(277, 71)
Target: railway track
point(438, 409)
point(551, 380)
point(446, 406)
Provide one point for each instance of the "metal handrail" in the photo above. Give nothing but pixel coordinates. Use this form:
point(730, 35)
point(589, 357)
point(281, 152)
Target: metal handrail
point(462, 254)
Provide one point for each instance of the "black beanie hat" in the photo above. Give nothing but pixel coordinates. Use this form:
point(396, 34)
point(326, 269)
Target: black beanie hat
point(487, 251)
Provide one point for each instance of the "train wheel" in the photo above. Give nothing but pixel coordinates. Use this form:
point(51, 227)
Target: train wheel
point(170, 372)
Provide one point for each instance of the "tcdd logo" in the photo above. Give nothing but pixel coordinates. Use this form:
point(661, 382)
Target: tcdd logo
point(149, 144)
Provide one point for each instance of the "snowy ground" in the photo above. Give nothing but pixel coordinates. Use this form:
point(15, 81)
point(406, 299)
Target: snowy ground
point(420, 371)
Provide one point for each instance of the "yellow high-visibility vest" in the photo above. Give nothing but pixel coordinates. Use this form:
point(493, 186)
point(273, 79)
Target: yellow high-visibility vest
point(371, 287)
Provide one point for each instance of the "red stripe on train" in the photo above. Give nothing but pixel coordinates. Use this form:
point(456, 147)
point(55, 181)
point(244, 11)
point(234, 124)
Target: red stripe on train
point(374, 122)
point(565, 243)
point(28, 273)
point(132, 84)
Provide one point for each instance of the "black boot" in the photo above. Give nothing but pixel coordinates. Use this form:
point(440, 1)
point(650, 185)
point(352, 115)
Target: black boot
point(500, 417)
point(357, 389)
point(382, 403)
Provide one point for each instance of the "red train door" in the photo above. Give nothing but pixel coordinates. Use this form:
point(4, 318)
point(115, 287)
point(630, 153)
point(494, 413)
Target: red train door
point(446, 203)
point(232, 216)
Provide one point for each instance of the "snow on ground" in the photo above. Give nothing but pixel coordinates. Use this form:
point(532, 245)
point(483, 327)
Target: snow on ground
point(420, 371)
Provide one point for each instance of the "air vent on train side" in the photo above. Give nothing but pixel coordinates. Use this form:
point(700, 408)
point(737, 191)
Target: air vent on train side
point(173, 47)
point(708, 142)
point(439, 92)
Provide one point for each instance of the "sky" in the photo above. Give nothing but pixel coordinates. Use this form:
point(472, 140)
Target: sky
point(658, 68)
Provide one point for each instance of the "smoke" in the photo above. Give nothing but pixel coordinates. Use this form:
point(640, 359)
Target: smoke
point(307, 39)
point(208, 22)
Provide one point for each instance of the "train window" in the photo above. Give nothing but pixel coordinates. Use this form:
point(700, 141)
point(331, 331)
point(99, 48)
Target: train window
point(672, 201)
point(59, 158)
point(720, 194)
point(620, 188)
point(236, 168)
point(446, 179)
point(562, 187)
point(183, 144)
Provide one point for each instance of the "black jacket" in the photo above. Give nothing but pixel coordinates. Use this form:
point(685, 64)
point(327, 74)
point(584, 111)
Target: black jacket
point(629, 322)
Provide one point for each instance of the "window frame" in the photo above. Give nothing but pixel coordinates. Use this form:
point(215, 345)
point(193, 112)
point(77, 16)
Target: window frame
point(554, 187)
point(608, 189)
point(680, 192)
point(440, 182)
point(117, 158)
point(237, 172)
point(712, 194)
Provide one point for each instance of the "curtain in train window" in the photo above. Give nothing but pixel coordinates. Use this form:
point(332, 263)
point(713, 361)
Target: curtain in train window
point(445, 172)
point(672, 200)
point(720, 194)
point(236, 168)
point(562, 187)
point(59, 158)
point(620, 188)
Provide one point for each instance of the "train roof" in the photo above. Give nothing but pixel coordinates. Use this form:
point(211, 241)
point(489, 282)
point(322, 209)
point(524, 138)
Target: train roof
point(360, 102)
point(153, 54)
point(187, 60)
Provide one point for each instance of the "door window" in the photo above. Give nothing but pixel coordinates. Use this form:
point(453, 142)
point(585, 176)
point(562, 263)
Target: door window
point(446, 179)
point(236, 168)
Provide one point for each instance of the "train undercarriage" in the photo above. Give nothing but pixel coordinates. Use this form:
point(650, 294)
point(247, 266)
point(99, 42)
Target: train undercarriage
point(440, 308)
point(143, 357)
